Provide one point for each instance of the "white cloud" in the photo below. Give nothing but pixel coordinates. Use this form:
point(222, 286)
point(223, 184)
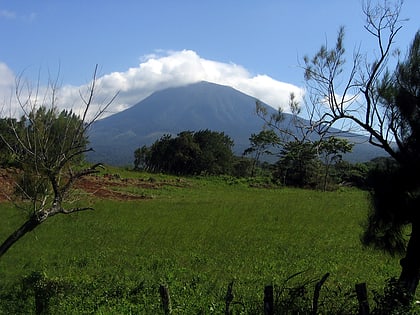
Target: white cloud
point(175, 68)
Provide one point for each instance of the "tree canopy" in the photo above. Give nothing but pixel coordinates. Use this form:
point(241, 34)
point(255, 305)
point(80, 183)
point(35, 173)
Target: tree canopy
point(189, 153)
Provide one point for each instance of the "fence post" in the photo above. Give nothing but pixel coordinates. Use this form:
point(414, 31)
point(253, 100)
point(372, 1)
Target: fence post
point(316, 293)
point(229, 298)
point(268, 300)
point(361, 292)
point(166, 299)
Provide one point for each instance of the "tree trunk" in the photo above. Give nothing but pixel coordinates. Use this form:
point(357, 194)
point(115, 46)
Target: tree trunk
point(26, 227)
point(410, 273)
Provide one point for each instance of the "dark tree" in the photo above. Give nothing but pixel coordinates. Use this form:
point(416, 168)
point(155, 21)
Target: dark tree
point(189, 153)
point(384, 105)
point(142, 158)
point(298, 164)
point(216, 156)
point(160, 151)
point(183, 154)
point(8, 142)
point(396, 203)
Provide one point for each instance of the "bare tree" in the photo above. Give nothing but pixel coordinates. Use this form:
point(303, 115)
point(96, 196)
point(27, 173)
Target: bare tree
point(385, 106)
point(295, 129)
point(350, 95)
point(48, 146)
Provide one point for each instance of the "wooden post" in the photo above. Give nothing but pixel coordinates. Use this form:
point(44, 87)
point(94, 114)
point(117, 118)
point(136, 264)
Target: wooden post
point(268, 300)
point(166, 299)
point(316, 293)
point(229, 298)
point(361, 292)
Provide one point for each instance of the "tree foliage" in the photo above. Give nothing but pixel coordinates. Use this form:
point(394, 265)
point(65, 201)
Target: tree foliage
point(396, 188)
point(384, 104)
point(298, 164)
point(189, 153)
point(8, 142)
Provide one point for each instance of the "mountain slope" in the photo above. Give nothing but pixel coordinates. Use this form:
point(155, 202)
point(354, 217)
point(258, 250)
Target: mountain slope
point(192, 107)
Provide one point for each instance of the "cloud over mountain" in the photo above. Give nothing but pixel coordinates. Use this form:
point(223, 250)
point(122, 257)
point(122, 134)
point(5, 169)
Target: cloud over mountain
point(176, 68)
point(172, 69)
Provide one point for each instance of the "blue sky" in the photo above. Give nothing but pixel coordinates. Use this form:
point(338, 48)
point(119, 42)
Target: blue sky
point(141, 46)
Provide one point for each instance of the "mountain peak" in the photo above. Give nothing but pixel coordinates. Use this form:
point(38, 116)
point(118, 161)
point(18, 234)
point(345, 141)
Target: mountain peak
point(196, 106)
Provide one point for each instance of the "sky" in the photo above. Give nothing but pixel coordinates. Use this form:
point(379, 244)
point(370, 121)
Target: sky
point(141, 46)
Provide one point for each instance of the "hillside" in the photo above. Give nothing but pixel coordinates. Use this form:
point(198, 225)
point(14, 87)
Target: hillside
point(192, 107)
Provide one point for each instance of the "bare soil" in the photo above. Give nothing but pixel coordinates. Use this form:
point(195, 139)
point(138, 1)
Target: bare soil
point(104, 188)
point(6, 183)
point(100, 186)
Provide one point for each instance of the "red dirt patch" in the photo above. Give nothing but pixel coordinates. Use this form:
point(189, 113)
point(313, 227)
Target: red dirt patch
point(7, 183)
point(105, 187)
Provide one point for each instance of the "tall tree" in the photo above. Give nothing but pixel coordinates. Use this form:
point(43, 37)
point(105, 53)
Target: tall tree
point(368, 98)
point(298, 164)
point(142, 158)
point(48, 147)
point(262, 143)
point(216, 156)
point(300, 142)
point(331, 150)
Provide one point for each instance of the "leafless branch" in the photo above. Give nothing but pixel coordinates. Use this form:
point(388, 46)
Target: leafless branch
point(356, 101)
point(48, 145)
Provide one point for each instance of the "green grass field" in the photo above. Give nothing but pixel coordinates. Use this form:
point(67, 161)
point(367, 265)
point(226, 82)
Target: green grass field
point(195, 238)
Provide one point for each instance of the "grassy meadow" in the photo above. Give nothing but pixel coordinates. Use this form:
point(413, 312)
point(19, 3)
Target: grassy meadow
point(194, 235)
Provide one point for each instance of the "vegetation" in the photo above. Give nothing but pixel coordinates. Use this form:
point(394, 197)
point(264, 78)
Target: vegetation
point(189, 153)
point(385, 105)
point(195, 236)
point(261, 144)
point(199, 235)
point(312, 164)
point(8, 142)
point(47, 147)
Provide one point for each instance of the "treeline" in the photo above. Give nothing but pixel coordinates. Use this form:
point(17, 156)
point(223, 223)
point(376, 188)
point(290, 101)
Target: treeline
point(316, 164)
point(308, 164)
